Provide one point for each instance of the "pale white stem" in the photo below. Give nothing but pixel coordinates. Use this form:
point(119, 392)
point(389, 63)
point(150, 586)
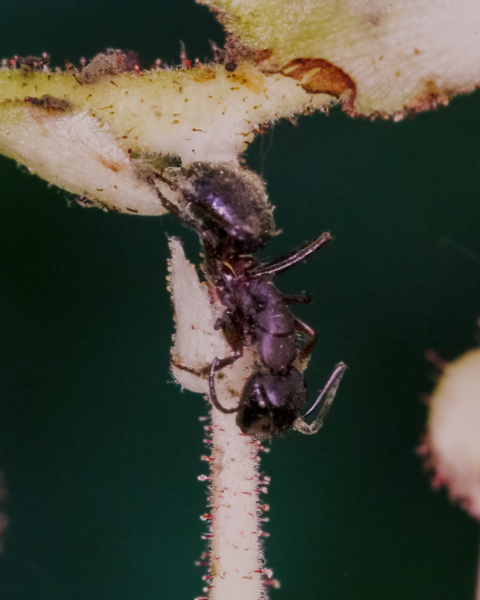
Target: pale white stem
point(236, 562)
point(235, 556)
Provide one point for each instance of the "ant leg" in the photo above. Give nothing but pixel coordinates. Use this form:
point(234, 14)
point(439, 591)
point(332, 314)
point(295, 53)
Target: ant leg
point(290, 299)
point(197, 371)
point(324, 401)
point(232, 332)
point(225, 362)
point(292, 258)
point(312, 334)
point(213, 394)
point(172, 185)
point(204, 371)
point(170, 206)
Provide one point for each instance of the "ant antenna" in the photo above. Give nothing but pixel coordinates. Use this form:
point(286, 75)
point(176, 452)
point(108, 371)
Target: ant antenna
point(289, 260)
point(213, 394)
point(324, 401)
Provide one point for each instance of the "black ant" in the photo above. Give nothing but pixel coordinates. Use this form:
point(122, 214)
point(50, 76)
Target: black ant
point(229, 209)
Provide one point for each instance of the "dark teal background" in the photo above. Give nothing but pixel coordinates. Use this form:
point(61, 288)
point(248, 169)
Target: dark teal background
point(100, 450)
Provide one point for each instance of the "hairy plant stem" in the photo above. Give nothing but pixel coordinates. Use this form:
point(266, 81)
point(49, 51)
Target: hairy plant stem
point(235, 554)
point(236, 561)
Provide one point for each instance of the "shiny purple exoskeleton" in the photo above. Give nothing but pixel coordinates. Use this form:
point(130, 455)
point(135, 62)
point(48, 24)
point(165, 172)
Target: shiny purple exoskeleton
point(229, 209)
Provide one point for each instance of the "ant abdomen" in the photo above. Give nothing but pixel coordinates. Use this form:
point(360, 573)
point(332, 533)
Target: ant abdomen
point(229, 202)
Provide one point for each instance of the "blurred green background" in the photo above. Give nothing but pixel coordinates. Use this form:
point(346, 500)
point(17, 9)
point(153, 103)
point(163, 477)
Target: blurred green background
point(100, 450)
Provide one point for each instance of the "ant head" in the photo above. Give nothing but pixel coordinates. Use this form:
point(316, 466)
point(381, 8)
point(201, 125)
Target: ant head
point(229, 203)
point(270, 403)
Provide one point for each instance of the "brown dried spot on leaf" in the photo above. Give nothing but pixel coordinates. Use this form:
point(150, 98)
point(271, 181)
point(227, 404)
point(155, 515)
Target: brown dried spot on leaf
point(108, 64)
point(236, 52)
point(32, 63)
point(49, 102)
point(203, 75)
point(110, 164)
point(318, 76)
point(261, 55)
point(429, 98)
point(250, 78)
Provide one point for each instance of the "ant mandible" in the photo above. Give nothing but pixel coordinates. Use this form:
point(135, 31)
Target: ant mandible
point(229, 209)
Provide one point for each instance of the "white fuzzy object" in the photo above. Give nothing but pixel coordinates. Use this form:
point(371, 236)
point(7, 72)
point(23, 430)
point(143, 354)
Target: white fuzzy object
point(454, 430)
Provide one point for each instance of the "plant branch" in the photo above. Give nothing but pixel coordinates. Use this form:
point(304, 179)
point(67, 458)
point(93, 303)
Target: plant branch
point(236, 563)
